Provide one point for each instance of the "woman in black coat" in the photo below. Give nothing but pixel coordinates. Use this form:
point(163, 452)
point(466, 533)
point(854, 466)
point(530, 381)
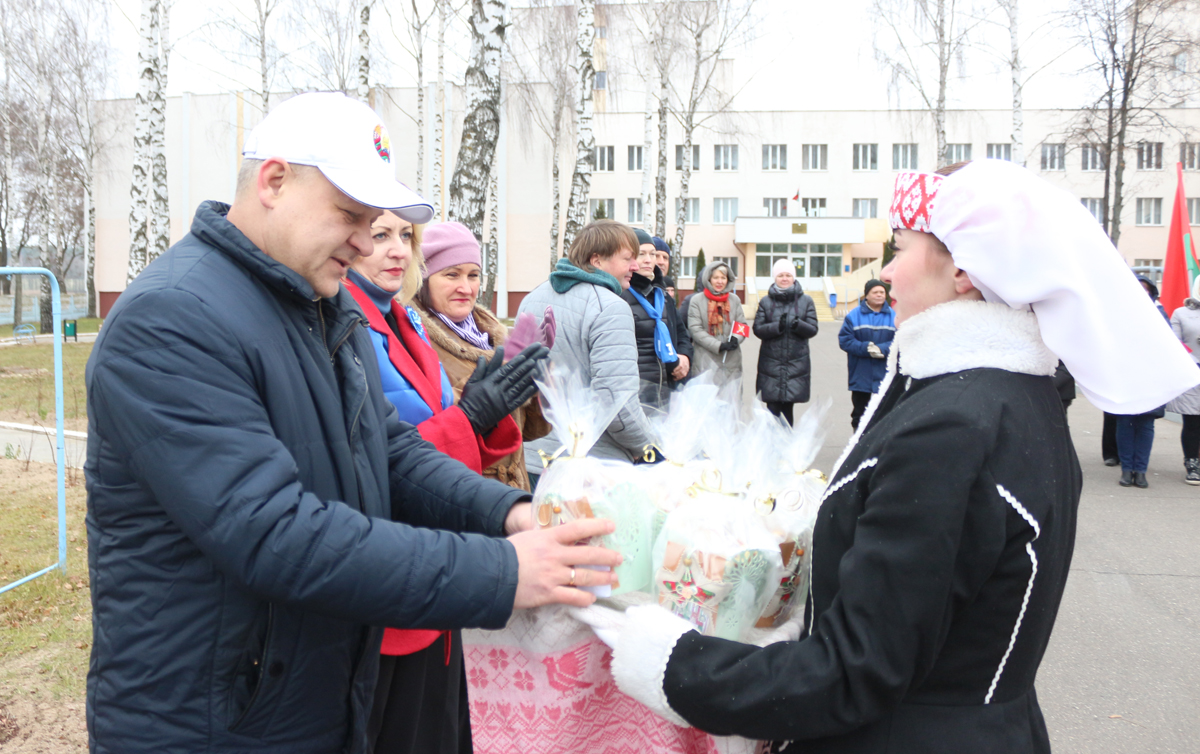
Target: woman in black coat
point(785, 320)
point(659, 367)
point(944, 539)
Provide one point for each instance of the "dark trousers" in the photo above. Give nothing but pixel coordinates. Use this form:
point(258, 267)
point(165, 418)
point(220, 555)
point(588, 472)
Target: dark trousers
point(782, 409)
point(1190, 437)
point(1108, 437)
point(1135, 437)
point(421, 702)
point(859, 399)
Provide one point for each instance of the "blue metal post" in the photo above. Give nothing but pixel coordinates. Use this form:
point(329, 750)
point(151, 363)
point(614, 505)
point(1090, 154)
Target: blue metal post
point(60, 446)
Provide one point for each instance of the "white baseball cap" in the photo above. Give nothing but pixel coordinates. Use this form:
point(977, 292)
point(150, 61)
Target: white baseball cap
point(346, 141)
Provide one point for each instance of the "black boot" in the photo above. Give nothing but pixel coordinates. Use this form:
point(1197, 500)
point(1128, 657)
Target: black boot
point(1126, 478)
point(1139, 478)
point(1193, 470)
point(1111, 461)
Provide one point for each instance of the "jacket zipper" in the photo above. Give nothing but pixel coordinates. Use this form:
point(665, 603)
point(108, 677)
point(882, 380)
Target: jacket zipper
point(258, 665)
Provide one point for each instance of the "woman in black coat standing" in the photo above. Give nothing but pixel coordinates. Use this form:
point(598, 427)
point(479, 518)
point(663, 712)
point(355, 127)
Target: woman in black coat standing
point(663, 343)
point(785, 320)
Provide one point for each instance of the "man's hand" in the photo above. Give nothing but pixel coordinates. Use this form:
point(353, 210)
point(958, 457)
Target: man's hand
point(874, 351)
point(681, 369)
point(519, 519)
point(548, 559)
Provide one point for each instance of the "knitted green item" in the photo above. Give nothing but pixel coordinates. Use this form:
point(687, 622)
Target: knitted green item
point(566, 276)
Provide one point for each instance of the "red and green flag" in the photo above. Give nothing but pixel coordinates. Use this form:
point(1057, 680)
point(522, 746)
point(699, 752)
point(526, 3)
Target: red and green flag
point(1180, 267)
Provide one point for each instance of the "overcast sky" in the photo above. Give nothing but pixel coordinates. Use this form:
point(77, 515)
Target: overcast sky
point(807, 55)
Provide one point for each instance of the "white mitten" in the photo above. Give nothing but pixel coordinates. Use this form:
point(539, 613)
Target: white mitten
point(605, 622)
point(642, 653)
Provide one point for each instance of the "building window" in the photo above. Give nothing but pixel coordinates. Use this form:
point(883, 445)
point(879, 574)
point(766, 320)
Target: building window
point(866, 156)
point(1054, 157)
point(1193, 210)
point(1147, 263)
point(1093, 159)
point(766, 255)
point(725, 210)
point(602, 209)
point(605, 160)
point(1189, 155)
point(1096, 207)
point(1149, 211)
point(1180, 62)
point(635, 210)
point(857, 263)
point(999, 152)
point(866, 208)
point(957, 153)
point(904, 157)
point(689, 267)
point(693, 211)
point(811, 207)
point(774, 156)
point(775, 207)
point(725, 157)
point(731, 261)
point(602, 32)
point(679, 157)
point(814, 157)
point(1149, 155)
point(635, 157)
point(601, 80)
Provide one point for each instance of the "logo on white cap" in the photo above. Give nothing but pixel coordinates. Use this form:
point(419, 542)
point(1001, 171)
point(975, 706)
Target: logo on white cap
point(346, 141)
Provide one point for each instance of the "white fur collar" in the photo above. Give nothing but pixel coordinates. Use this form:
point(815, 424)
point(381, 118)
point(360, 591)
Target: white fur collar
point(962, 335)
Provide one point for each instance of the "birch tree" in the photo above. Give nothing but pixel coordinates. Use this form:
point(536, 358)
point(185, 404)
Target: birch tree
point(585, 139)
point(1012, 11)
point(413, 41)
point(363, 56)
point(1133, 46)
point(160, 215)
point(7, 134)
point(711, 28)
point(541, 76)
point(917, 42)
point(330, 59)
point(491, 254)
point(481, 124)
point(139, 190)
point(439, 112)
point(252, 36)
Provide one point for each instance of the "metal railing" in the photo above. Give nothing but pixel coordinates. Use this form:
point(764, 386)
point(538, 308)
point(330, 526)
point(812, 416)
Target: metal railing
point(60, 452)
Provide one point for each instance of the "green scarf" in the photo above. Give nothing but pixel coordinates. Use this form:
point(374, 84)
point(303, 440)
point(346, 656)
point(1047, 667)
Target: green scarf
point(566, 276)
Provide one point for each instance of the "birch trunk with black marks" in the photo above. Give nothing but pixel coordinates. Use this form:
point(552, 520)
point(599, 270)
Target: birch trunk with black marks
point(418, 34)
point(139, 189)
point(491, 257)
point(481, 124)
point(585, 142)
point(1011, 8)
point(555, 191)
point(439, 112)
point(363, 57)
point(660, 181)
point(944, 49)
point(160, 218)
point(647, 145)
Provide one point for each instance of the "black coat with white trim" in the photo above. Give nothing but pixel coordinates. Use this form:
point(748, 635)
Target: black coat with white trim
point(939, 561)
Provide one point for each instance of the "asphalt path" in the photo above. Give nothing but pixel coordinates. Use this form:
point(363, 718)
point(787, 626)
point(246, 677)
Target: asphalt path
point(1122, 672)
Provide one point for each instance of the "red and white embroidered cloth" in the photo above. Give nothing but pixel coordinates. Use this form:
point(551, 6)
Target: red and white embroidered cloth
point(913, 200)
point(564, 702)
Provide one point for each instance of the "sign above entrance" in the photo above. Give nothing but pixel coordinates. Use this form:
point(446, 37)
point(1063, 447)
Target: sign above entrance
point(798, 228)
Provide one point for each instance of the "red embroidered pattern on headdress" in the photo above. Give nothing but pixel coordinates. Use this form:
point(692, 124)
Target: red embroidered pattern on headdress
point(913, 200)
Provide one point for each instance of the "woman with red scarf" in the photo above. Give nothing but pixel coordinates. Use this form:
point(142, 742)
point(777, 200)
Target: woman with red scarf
point(421, 696)
point(710, 321)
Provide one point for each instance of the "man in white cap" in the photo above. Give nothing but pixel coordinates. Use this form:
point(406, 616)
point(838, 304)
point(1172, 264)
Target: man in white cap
point(256, 512)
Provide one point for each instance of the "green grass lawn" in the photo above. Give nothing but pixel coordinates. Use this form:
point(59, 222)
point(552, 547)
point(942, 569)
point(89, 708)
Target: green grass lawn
point(46, 624)
point(27, 384)
point(83, 325)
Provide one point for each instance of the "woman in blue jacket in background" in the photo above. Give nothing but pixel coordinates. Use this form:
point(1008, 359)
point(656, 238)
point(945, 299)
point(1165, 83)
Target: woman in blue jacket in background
point(866, 337)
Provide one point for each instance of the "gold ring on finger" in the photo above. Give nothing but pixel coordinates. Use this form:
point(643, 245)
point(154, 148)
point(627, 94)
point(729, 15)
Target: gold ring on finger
point(572, 581)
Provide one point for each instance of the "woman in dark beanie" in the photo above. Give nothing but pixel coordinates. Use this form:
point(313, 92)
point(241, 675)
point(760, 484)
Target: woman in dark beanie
point(664, 347)
point(866, 337)
point(784, 322)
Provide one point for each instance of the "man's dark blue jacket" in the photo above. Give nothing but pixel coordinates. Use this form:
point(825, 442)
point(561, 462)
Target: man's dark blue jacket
point(864, 325)
point(244, 471)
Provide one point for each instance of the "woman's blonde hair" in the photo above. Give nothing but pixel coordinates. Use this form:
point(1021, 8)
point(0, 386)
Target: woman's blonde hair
point(416, 270)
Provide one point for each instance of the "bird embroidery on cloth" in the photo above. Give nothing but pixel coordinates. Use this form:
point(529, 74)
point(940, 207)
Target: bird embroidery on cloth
point(566, 673)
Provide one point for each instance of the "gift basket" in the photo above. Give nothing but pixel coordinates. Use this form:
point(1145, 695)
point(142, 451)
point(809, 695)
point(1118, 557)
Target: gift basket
point(577, 486)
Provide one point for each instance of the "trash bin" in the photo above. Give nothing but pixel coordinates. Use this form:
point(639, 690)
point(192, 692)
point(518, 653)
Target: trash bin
point(69, 329)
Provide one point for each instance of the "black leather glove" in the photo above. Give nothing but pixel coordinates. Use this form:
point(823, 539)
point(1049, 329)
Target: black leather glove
point(783, 323)
point(497, 389)
point(795, 325)
point(729, 345)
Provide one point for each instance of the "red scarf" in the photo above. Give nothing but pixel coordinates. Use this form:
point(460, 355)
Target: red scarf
point(718, 311)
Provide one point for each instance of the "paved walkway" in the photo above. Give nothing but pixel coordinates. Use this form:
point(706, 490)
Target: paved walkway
point(1122, 672)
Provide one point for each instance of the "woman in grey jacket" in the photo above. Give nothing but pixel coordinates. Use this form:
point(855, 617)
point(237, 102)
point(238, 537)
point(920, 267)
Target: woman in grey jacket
point(711, 315)
point(1185, 322)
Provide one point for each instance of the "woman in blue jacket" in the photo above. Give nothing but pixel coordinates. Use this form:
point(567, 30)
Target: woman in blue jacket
point(866, 337)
